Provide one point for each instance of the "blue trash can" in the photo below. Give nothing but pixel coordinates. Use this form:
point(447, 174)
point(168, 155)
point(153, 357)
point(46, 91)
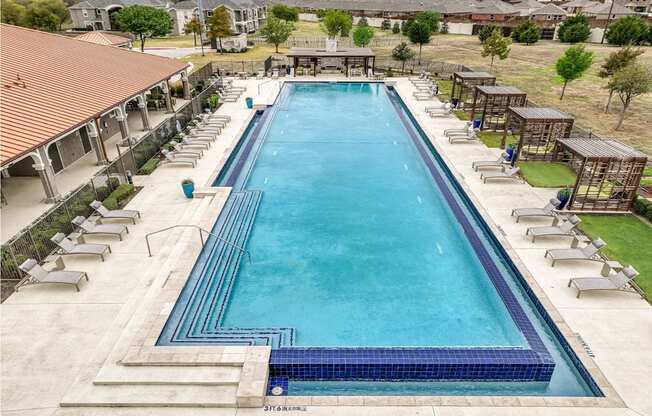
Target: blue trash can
point(250, 102)
point(476, 123)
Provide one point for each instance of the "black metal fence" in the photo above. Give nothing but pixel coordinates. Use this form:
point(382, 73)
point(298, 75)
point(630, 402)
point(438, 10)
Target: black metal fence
point(441, 70)
point(34, 240)
point(320, 41)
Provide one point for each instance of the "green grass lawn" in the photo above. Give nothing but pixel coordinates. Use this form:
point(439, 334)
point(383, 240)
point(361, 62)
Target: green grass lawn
point(628, 241)
point(547, 174)
point(493, 139)
point(462, 115)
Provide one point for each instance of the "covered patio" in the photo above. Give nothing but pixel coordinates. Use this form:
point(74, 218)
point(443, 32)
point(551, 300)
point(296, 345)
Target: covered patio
point(538, 129)
point(491, 102)
point(464, 83)
point(347, 61)
point(104, 102)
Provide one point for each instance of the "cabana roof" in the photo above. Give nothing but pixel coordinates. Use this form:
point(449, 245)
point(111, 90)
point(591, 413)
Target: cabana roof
point(594, 148)
point(323, 53)
point(474, 75)
point(499, 90)
point(540, 113)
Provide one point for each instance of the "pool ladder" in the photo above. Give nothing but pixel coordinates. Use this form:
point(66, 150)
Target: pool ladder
point(201, 237)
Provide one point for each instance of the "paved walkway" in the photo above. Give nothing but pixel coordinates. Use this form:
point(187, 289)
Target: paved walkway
point(49, 334)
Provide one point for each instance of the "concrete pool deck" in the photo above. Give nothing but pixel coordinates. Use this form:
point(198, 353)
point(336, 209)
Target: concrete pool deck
point(57, 343)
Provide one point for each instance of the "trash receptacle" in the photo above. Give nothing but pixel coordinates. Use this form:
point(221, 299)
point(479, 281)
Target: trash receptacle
point(250, 102)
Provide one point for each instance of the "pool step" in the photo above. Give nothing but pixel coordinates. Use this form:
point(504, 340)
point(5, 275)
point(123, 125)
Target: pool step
point(221, 260)
point(153, 396)
point(174, 375)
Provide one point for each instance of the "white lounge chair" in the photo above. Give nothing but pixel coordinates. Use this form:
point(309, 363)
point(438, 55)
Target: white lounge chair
point(508, 173)
point(484, 164)
point(88, 227)
point(69, 247)
point(547, 211)
point(219, 117)
point(565, 229)
point(181, 151)
point(186, 141)
point(590, 252)
point(465, 138)
point(199, 134)
point(466, 130)
point(122, 214)
point(615, 282)
point(229, 98)
point(38, 275)
point(175, 158)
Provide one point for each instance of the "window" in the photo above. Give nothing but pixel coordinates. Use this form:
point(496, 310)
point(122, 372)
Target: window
point(85, 12)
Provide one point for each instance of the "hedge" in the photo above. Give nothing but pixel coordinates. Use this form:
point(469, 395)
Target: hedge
point(149, 167)
point(117, 196)
point(643, 207)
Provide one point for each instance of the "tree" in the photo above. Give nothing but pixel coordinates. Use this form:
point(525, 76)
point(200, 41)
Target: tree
point(574, 29)
point(630, 82)
point(276, 31)
point(362, 36)
point(396, 29)
point(144, 22)
point(363, 22)
point(287, 13)
point(648, 35)
point(614, 62)
point(444, 27)
point(219, 25)
point(403, 53)
point(431, 19)
point(486, 31)
point(192, 26)
point(628, 30)
point(572, 65)
point(419, 33)
point(13, 12)
point(405, 26)
point(337, 22)
point(496, 45)
point(46, 15)
point(527, 32)
point(386, 24)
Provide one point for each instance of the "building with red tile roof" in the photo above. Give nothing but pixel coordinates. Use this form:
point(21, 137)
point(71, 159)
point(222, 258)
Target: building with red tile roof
point(102, 38)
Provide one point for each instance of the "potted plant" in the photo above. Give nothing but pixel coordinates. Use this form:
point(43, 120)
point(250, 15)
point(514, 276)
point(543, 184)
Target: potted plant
point(212, 102)
point(188, 186)
point(477, 120)
point(510, 152)
point(563, 196)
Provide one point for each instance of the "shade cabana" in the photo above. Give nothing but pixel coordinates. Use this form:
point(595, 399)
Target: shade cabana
point(538, 129)
point(491, 103)
point(341, 59)
point(608, 173)
point(464, 82)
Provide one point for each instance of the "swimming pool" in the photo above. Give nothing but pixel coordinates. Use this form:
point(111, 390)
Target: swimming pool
point(368, 261)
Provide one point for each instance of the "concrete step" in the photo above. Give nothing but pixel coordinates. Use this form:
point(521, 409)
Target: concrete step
point(159, 375)
point(152, 396)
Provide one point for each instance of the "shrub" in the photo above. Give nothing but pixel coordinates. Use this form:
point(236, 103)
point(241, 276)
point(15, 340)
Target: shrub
point(574, 29)
point(122, 192)
point(363, 22)
point(110, 203)
point(642, 207)
point(149, 167)
point(486, 31)
point(628, 30)
point(281, 11)
point(396, 29)
point(527, 32)
point(386, 24)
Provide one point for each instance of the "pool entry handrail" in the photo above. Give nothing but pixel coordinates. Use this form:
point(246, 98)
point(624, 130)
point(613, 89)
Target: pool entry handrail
point(201, 237)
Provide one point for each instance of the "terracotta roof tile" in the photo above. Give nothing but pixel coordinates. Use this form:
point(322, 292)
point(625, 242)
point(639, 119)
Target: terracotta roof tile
point(100, 38)
point(51, 84)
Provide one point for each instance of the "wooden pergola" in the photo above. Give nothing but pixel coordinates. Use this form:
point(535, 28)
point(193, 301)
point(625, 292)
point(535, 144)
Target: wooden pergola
point(492, 102)
point(464, 83)
point(608, 173)
point(314, 58)
point(538, 129)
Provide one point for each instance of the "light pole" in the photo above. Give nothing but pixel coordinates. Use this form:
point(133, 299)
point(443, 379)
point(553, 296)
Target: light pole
point(201, 25)
point(606, 25)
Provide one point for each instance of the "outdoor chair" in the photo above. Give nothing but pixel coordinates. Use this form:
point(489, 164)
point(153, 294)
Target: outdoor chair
point(590, 252)
point(546, 211)
point(424, 96)
point(229, 98)
point(69, 247)
point(565, 229)
point(426, 87)
point(484, 164)
point(466, 130)
point(88, 227)
point(202, 135)
point(219, 117)
point(466, 138)
point(620, 281)
point(445, 110)
point(122, 214)
point(171, 157)
point(191, 143)
point(212, 123)
point(38, 275)
point(180, 150)
point(509, 173)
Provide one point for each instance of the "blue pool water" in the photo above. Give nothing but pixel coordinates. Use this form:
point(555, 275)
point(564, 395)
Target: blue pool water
point(353, 245)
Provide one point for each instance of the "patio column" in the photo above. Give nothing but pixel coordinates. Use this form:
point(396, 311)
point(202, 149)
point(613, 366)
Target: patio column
point(46, 174)
point(96, 143)
point(186, 86)
point(122, 121)
point(168, 98)
point(144, 114)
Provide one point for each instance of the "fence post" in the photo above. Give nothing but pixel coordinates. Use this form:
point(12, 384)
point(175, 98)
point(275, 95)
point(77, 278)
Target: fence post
point(31, 237)
point(13, 256)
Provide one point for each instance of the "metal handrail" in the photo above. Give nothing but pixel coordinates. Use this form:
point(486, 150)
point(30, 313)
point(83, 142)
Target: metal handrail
point(265, 82)
point(201, 237)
